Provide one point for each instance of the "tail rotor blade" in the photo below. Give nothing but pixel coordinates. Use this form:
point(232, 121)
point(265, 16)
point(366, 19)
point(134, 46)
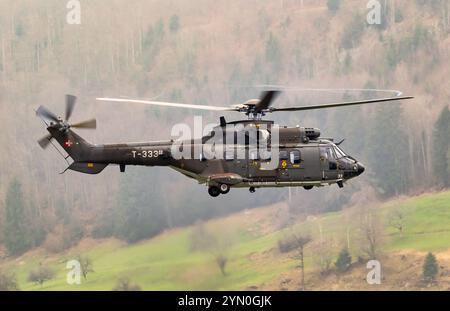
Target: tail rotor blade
point(46, 114)
point(89, 124)
point(70, 104)
point(45, 141)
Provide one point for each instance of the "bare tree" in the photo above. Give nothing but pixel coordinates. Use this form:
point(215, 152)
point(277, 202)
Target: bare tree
point(302, 240)
point(296, 242)
point(217, 245)
point(397, 220)
point(324, 250)
point(371, 231)
point(86, 265)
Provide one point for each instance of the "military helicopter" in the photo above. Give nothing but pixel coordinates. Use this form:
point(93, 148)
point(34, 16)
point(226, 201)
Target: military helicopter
point(303, 158)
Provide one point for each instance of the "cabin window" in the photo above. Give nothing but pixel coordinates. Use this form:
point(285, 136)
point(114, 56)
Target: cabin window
point(254, 155)
point(295, 157)
point(284, 155)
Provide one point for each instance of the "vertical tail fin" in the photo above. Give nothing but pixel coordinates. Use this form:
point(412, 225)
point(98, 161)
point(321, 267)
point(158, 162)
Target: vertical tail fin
point(75, 146)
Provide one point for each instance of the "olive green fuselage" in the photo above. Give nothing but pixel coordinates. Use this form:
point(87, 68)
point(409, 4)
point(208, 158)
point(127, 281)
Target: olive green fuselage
point(299, 158)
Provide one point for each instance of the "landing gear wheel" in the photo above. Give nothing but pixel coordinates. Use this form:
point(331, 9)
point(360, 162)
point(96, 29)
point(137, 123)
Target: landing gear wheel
point(224, 189)
point(252, 189)
point(308, 187)
point(214, 191)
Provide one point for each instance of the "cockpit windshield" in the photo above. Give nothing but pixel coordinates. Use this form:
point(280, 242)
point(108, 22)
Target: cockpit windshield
point(339, 153)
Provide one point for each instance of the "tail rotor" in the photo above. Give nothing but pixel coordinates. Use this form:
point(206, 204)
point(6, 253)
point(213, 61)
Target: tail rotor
point(52, 121)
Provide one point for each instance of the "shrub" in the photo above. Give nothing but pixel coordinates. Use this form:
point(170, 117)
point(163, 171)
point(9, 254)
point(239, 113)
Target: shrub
point(344, 261)
point(124, 284)
point(8, 282)
point(41, 275)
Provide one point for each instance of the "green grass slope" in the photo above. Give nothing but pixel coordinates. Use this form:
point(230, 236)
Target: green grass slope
point(167, 262)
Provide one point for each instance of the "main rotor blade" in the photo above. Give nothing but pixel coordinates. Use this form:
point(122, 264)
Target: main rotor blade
point(266, 100)
point(44, 141)
point(89, 124)
point(325, 90)
point(70, 104)
point(46, 114)
point(179, 105)
point(343, 104)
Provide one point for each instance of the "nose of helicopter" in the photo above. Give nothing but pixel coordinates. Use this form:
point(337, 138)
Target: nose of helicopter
point(361, 168)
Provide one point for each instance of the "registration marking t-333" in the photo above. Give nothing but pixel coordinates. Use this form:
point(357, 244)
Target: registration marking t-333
point(146, 153)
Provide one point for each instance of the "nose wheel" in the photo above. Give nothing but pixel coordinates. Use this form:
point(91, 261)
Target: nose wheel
point(252, 189)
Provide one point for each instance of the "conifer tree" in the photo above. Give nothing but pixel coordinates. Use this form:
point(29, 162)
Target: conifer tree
point(441, 144)
point(430, 268)
point(16, 237)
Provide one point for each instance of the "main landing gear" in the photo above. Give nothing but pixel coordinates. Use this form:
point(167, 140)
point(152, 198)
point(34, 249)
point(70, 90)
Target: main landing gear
point(215, 191)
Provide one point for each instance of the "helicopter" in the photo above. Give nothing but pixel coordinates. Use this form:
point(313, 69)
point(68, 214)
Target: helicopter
point(271, 156)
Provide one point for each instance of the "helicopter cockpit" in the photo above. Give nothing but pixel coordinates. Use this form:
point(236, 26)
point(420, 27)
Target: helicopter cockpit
point(333, 158)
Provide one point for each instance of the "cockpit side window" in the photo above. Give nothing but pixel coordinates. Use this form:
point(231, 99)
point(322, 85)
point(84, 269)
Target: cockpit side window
point(331, 154)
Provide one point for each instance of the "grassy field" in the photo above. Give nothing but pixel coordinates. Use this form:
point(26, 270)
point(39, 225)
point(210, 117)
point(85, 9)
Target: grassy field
point(166, 262)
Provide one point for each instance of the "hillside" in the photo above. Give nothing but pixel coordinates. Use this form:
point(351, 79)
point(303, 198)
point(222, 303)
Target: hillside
point(166, 262)
point(215, 53)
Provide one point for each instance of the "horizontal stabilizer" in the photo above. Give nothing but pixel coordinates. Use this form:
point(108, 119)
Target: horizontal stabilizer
point(87, 168)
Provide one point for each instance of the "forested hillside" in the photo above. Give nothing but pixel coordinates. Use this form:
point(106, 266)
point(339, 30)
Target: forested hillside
point(210, 52)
